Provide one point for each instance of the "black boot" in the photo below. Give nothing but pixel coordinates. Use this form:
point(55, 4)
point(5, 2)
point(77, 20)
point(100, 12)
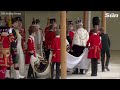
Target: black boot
point(102, 64)
point(75, 71)
point(95, 67)
point(52, 70)
point(92, 67)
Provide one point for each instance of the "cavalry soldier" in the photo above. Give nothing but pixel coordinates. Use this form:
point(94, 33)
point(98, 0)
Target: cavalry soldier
point(49, 39)
point(70, 32)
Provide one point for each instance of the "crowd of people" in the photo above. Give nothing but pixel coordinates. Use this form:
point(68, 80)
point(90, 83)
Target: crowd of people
point(43, 42)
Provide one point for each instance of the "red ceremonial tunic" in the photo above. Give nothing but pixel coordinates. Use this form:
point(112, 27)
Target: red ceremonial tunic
point(56, 49)
point(49, 39)
point(95, 46)
point(22, 33)
point(30, 48)
point(4, 50)
point(71, 34)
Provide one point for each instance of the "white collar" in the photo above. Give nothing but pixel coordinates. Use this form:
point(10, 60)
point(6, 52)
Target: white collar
point(58, 36)
point(32, 37)
point(94, 33)
point(51, 30)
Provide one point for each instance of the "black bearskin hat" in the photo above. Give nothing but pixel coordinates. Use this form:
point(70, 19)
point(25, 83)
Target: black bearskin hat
point(70, 22)
point(96, 21)
point(52, 20)
point(37, 21)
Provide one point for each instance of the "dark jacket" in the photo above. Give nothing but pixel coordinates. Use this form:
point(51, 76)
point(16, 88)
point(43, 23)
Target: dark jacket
point(105, 42)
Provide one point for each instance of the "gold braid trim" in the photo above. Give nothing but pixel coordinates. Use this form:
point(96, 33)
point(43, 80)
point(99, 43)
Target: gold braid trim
point(5, 51)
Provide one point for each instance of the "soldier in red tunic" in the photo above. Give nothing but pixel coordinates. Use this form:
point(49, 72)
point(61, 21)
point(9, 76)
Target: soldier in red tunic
point(50, 22)
point(47, 27)
point(30, 49)
point(54, 23)
point(22, 33)
point(56, 55)
point(70, 32)
point(95, 19)
point(4, 51)
point(45, 32)
point(94, 45)
point(49, 39)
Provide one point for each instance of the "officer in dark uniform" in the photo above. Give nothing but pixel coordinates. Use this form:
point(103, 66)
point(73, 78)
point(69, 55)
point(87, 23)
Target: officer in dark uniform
point(105, 50)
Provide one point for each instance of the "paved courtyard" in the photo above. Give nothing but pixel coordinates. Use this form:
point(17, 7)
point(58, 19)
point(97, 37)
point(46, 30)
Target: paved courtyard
point(114, 72)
